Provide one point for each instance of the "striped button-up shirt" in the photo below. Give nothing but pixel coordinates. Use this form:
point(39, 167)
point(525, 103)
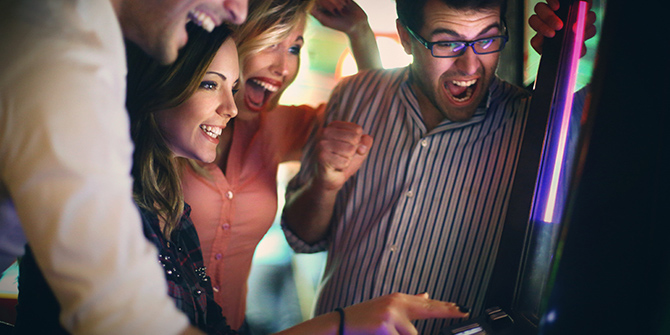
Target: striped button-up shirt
point(425, 211)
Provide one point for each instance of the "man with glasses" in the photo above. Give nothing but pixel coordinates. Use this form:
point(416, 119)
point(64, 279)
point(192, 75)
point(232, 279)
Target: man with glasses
point(424, 207)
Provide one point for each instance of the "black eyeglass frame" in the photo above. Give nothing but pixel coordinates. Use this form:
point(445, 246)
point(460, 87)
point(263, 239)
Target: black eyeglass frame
point(429, 45)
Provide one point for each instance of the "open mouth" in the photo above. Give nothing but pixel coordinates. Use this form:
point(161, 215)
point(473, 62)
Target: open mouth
point(461, 91)
point(201, 19)
point(211, 131)
point(258, 92)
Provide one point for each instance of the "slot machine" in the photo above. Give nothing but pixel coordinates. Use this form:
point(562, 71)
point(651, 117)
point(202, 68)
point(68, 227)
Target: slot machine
point(583, 247)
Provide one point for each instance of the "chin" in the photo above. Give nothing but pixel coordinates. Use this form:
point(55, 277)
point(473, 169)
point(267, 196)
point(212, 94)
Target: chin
point(206, 159)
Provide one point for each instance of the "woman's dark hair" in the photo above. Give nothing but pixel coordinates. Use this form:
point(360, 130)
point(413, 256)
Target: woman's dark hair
point(153, 87)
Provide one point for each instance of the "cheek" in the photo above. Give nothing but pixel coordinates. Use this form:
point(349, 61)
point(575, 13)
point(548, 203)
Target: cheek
point(433, 70)
point(294, 67)
point(252, 65)
point(491, 65)
point(172, 122)
point(164, 121)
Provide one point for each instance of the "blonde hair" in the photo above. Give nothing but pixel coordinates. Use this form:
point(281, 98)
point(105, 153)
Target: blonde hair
point(269, 23)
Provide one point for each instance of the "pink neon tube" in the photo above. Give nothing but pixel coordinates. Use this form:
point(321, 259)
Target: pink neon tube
point(565, 120)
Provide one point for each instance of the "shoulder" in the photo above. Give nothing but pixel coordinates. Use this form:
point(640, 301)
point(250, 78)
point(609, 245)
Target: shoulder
point(83, 36)
point(374, 76)
point(368, 86)
point(283, 112)
point(502, 90)
point(289, 119)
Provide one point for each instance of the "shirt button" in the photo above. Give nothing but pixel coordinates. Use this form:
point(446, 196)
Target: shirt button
point(393, 248)
point(225, 226)
point(218, 256)
point(229, 194)
point(424, 143)
point(409, 194)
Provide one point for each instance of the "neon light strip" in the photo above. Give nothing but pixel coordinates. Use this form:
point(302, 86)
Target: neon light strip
point(565, 121)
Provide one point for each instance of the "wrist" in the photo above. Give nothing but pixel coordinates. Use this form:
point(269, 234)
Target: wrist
point(359, 30)
point(324, 186)
point(340, 328)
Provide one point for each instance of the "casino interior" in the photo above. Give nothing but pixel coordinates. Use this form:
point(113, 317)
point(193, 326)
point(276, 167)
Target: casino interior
point(583, 249)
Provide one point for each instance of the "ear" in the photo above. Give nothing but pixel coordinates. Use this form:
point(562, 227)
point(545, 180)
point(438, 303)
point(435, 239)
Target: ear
point(405, 39)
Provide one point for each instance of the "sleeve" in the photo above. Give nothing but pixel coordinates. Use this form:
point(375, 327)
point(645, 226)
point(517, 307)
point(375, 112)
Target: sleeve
point(66, 158)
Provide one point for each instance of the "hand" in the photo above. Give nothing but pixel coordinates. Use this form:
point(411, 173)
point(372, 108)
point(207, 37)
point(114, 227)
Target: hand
point(342, 15)
point(546, 23)
point(340, 151)
point(394, 313)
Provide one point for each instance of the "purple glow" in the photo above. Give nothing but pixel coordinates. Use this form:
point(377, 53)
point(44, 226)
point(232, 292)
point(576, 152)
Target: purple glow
point(572, 79)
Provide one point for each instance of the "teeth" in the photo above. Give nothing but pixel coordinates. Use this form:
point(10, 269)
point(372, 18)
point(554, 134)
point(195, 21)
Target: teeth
point(202, 19)
point(464, 83)
point(464, 98)
point(213, 132)
point(468, 95)
point(265, 85)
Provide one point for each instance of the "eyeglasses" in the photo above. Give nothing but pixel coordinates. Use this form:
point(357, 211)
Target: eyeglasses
point(448, 49)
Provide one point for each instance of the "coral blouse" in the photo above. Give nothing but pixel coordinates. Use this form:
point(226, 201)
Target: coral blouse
point(233, 212)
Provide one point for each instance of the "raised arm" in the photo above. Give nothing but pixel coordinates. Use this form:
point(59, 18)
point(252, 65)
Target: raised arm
point(340, 150)
point(346, 16)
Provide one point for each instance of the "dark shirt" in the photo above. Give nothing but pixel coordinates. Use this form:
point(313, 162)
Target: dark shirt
point(188, 284)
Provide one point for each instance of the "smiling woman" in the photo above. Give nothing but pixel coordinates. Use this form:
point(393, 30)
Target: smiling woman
point(169, 106)
point(191, 129)
point(177, 112)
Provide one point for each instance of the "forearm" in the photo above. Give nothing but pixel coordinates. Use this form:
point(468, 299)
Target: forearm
point(349, 18)
point(364, 47)
point(326, 324)
point(308, 211)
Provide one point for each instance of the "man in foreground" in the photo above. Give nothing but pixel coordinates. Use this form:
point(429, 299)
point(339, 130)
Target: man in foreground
point(65, 151)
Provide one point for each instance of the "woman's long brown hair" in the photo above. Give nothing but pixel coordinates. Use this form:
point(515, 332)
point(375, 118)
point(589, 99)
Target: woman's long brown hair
point(153, 87)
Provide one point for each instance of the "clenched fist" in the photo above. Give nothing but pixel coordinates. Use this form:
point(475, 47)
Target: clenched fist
point(341, 149)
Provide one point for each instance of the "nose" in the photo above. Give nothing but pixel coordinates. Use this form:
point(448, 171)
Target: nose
point(235, 10)
point(467, 63)
point(227, 107)
point(279, 64)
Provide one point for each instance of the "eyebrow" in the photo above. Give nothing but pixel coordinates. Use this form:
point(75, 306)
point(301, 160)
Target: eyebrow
point(223, 77)
point(457, 35)
point(218, 74)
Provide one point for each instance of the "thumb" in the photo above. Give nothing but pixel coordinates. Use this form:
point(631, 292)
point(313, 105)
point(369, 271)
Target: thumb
point(424, 295)
point(364, 145)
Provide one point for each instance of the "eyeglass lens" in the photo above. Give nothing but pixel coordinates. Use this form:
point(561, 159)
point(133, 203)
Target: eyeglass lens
point(481, 46)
